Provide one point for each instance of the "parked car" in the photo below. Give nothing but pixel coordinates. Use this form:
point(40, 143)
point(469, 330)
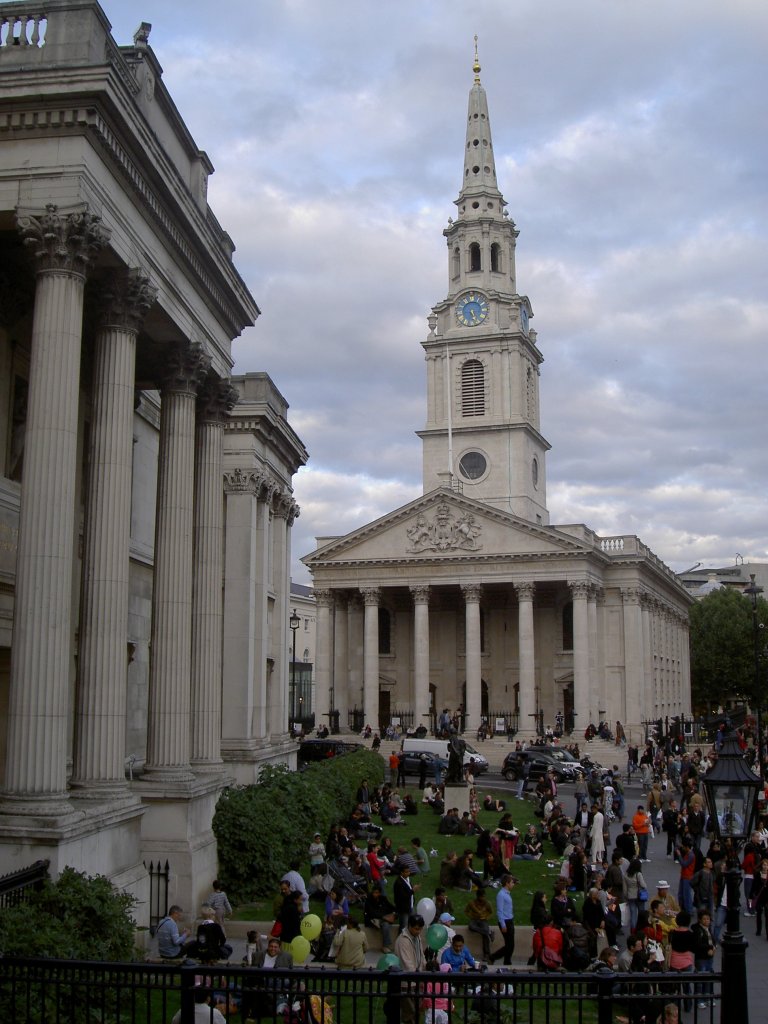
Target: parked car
point(413, 759)
point(323, 750)
point(541, 760)
point(440, 748)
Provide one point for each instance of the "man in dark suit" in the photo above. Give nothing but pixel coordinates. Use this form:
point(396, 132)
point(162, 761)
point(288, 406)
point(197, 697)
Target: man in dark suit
point(402, 893)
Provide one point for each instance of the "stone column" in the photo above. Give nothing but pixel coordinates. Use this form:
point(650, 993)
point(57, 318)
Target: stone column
point(474, 664)
point(685, 663)
point(633, 655)
point(581, 687)
point(168, 741)
point(214, 401)
point(595, 696)
point(278, 687)
point(526, 656)
point(340, 679)
point(420, 656)
point(63, 247)
point(324, 600)
point(649, 700)
point(371, 599)
point(356, 652)
point(99, 755)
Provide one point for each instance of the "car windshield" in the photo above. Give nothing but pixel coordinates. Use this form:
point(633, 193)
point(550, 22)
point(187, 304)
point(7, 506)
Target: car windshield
point(562, 755)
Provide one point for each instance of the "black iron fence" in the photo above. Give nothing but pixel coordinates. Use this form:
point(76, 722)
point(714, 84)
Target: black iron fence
point(500, 722)
point(71, 992)
point(16, 887)
point(159, 877)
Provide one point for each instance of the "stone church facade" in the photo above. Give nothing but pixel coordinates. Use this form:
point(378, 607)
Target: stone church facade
point(145, 494)
point(468, 597)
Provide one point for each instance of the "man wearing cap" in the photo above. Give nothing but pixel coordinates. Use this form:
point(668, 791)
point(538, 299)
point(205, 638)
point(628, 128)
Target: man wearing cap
point(505, 915)
point(670, 906)
point(457, 955)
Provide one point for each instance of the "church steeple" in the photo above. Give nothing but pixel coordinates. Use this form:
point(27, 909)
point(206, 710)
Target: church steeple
point(479, 191)
point(482, 432)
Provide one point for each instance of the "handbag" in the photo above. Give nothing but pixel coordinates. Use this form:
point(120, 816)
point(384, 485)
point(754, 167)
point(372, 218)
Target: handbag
point(642, 895)
point(550, 958)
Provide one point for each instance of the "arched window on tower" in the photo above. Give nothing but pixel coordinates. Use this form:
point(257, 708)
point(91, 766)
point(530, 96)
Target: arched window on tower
point(473, 388)
point(474, 257)
point(456, 262)
point(385, 631)
point(496, 258)
point(568, 626)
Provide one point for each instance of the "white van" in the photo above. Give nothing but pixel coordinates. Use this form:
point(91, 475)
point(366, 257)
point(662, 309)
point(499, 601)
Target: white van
point(440, 748)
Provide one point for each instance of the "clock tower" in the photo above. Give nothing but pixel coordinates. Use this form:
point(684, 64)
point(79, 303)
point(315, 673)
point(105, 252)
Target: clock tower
point(482, 432)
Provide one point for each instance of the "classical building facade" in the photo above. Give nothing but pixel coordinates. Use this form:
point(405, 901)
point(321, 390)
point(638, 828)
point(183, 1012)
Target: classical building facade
point(145, 494)
point(468, 597)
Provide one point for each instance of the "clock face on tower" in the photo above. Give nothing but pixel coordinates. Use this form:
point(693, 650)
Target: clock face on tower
point(471, 309)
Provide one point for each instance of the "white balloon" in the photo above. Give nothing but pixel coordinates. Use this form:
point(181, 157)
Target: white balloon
point(426, 907)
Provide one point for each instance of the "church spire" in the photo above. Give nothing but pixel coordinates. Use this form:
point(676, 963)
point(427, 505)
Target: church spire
point(479, 192)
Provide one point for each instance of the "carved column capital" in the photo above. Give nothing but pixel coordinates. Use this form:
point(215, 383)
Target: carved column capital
point(125, 298)
point(371, 596)
point(215, 399)
point(242, 481)
point(67, 242)
point(420, 594)
point(324, 597)
point(579, 590)
point(472, 592)
point(631, 595)
point(525, 591)
point(185, 369)
point(294, 511)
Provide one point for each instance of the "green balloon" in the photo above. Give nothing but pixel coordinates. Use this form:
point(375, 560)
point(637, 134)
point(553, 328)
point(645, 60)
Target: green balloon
point(437, 936)
point(311, 926)
point(386, 961)
point(299, 949)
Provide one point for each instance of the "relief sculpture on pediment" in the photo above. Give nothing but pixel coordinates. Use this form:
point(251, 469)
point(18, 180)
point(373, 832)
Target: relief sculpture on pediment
point(444, 532)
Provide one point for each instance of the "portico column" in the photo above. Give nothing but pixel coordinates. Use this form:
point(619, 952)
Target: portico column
point(168, 740)
point(581, 688)
point(473, 655)
point(99, 755)
point(420, 655)
point(526, 656)
point(324, 646)
point(278, 685)
point(62, 247)
point(685, 664)
point(215, 400)
point(371, 599)
point(595, 702)
point(340, 681)
point(633, 654)
point(649, 697)
point(356, 649)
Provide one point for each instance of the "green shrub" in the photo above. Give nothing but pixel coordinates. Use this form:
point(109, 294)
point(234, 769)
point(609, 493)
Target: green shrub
point(260, 829)
point(76, 917)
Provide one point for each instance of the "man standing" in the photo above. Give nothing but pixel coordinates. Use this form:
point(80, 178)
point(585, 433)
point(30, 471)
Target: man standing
point(410, 952)
point(402, 891)
point(505, 915)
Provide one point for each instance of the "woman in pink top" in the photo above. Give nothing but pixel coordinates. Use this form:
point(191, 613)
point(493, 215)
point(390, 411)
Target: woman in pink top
point(437, 999)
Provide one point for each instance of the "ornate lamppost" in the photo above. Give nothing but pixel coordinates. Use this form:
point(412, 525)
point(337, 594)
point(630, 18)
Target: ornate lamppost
point(294, 622)
point(731, 789)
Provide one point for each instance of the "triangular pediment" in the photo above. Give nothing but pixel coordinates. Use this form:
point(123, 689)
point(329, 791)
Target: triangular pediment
point(444, 525)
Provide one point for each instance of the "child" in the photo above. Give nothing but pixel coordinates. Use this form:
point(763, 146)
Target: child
point(437, 1002)
point(251, 948)
point(219, 903)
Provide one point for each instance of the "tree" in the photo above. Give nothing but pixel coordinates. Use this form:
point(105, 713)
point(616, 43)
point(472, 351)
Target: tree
point(722, 646)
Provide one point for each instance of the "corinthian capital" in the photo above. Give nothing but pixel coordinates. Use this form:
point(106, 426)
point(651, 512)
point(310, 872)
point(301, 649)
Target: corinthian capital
point(420, 594)
point(323, 597)
point(472, 592)
point(243, 481)
point(525, 591)
point(579, 590)
point(371, 596)
point(62, 241)
point(215, 399)
point(126, 298)
point(185, 369)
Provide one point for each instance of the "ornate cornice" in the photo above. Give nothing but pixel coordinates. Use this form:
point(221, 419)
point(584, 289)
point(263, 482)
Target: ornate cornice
point(65, 242)
point(125, 299)
point(185, 369)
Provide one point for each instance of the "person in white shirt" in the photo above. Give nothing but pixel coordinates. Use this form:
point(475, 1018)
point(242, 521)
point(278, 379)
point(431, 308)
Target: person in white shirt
point(296, 883)
point(204, 1013)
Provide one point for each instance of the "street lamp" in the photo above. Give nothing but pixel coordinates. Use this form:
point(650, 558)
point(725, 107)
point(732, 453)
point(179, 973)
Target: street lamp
point(754, 591)
point(294, 622)
point(731, 788)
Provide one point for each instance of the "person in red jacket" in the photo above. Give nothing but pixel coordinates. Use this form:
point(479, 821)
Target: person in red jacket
point(641, 823)
point(551, 938)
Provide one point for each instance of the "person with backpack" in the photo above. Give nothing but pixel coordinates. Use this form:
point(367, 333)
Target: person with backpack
point(576, 955)
point(548, 946)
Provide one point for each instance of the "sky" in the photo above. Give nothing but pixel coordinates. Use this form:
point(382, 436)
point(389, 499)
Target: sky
point(631, 144)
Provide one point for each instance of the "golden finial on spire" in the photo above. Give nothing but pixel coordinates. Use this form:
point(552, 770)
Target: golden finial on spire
point(476, 65)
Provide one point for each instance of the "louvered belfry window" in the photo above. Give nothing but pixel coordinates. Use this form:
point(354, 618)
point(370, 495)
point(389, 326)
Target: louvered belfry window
point(473, 388)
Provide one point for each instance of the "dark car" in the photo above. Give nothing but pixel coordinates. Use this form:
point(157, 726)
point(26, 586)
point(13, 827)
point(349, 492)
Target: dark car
point(541, 761)
point(413, 761)
point(324, 750)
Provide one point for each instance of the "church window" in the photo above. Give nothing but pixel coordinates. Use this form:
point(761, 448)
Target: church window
point(476, 142)
point(456, 262)
point(535, 472)
point(568, 627)
point(475, 206)
point(474, 255)
point(385, 631)
point(475, 169)
point(530, 393)
point(472, 465)
point(473, 388)
point(496, 257)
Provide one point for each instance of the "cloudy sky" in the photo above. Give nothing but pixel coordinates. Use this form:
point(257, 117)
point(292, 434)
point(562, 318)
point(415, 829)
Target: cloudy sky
point(631, 144)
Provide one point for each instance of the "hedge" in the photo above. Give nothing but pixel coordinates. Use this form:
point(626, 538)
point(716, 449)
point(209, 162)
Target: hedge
point(260, 829)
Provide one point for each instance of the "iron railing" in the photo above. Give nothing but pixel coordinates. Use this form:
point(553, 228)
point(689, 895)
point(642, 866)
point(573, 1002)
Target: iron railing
point(71, 992)
point(17, 887)
point(159, 879)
